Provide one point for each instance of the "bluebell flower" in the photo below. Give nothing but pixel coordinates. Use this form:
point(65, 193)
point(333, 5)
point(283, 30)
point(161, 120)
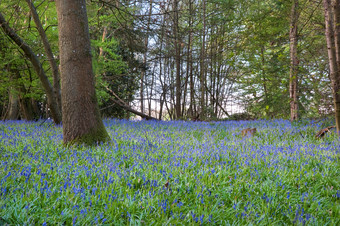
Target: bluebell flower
point(74, 220)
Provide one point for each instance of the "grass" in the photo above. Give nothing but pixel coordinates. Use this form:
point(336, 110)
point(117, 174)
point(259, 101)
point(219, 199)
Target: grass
point(171, 173)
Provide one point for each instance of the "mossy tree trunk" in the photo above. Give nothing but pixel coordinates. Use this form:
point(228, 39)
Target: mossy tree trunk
point(82, 123)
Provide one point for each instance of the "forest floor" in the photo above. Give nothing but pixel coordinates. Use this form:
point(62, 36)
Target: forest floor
point(175, 172)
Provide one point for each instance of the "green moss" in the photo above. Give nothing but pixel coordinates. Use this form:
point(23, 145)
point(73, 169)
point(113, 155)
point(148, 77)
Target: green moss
point(97, 135)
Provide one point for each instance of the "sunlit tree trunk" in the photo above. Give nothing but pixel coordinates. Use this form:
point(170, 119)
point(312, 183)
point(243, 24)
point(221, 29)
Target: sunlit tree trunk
point(82, 122)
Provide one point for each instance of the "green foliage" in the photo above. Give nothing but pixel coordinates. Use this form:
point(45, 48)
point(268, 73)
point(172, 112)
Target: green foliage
point(246, 48)
point(115, 68)
point(16, 72)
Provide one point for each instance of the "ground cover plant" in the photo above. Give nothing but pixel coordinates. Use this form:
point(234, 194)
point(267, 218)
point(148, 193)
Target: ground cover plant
point(178, 173)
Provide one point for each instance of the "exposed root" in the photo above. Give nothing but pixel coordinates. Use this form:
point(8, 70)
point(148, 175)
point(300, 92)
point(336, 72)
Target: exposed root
point(322, 132)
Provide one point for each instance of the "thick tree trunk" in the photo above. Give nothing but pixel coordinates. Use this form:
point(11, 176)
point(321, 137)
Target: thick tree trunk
point(293, 75)
point(82, 122)
point(26, 108)
point(332, 37)
point(13, 106)
point(52, 101)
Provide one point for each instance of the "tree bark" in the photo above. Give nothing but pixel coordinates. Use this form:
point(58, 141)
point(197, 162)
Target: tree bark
point(293, 75)
point(13, 106)
point(101, 49)
point(336, 78)
point(25, 104)
point(82, 123)
point(178, 112)
point(332, 36)
point(55, 110)
point(190, 66)
point(143, 72)
point(202, 65)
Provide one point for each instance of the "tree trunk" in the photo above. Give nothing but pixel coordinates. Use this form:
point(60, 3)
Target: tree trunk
point(125, 106)
point(192, 106)
point(332, 37)
point(49, 54)
point(101, 49)
point(55, 110)
point(13, 106)
point(143, 72)
point(336, 79)
point(177, 44)
point(82, 122)
point(202, 65)
point(26, 108)
point(293, 75)
point(187, 64)
point(25, 104)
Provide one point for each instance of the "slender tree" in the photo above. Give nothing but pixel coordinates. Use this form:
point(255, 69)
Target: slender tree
point(177, 45)
point(202, 63)
point(143, 72)
point(293, 75)
point(82, 122)
point(332, 20)
point(48, 52)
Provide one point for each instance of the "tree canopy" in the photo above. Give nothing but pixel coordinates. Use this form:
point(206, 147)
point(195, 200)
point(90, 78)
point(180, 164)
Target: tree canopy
point(206, 59)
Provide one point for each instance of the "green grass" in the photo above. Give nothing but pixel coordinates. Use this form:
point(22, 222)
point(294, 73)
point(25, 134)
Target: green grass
point(171, 173)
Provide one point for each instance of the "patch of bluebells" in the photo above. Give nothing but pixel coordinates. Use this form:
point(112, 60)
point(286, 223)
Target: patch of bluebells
point(202, 172)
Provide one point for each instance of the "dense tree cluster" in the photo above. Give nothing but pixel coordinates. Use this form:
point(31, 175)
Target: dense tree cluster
point(190, 59)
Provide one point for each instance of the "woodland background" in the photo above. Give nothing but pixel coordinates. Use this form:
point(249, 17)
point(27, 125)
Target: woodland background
point(190, 59)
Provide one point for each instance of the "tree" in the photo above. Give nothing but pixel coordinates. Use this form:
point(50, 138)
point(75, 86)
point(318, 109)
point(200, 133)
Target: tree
point(177, 45)
point(202, 63)
point(114, 47)
point(55, 110)
point(81, 118)
point(48, 52)
point(332, 32)
point(293, 75)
